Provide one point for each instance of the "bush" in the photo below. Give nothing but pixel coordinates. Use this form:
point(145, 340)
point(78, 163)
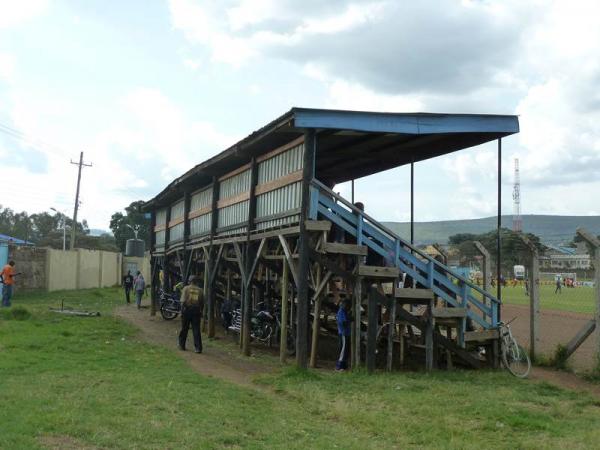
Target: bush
point(16, 313)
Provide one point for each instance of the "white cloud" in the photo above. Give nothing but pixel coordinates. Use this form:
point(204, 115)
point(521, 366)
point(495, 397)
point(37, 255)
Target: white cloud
point(14, 13)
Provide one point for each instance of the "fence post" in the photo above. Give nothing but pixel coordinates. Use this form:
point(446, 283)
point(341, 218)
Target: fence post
point(595, 244)
point(534, 297)
point(487, 272)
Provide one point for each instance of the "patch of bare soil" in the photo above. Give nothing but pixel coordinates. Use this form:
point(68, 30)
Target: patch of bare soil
point(214, 361)
point(58, 442)
point(565, 380)
point(556, 327)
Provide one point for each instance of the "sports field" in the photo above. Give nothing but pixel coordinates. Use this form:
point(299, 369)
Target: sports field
point(80, 382)
point(578, 299)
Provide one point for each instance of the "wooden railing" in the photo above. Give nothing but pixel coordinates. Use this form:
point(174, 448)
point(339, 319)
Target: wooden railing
point(482, 307)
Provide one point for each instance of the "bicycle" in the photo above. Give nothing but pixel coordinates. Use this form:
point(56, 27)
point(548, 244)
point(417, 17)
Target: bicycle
point(514, 358)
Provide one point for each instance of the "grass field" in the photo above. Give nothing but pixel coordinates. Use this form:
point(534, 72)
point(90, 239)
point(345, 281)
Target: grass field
point(91, 383)
point(579, 299)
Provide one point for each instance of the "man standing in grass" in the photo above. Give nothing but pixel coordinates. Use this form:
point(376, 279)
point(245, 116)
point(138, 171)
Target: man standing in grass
point(343, 323)
point(192, 303)
point(8, 279)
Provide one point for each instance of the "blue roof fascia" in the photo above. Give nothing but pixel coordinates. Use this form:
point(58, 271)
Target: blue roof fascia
point(416, 123)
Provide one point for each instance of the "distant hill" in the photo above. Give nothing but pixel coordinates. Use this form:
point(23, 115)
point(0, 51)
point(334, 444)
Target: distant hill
point(99, 232)
point(553, 230)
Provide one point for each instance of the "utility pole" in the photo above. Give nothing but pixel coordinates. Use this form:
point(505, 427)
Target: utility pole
point(74, 224)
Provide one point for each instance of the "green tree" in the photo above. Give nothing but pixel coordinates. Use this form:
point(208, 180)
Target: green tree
point(120, 225)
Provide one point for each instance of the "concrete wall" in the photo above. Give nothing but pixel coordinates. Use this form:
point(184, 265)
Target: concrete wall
point(54, 270)
point(31, 262)
point(61, 269)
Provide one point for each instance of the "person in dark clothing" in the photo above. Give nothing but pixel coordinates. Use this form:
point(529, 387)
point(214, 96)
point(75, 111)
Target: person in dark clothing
point(192, 303)
point(128, 285)
point(343, 324)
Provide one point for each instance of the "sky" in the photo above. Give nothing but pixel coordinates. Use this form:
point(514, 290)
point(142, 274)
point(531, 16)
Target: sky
point(149, 88)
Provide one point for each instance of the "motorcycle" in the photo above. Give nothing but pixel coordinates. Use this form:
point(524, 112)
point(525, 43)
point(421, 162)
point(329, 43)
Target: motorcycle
point(170, 305)
point(264, 327)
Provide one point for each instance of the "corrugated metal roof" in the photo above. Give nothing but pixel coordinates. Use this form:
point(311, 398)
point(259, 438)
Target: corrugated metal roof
point(352, 144)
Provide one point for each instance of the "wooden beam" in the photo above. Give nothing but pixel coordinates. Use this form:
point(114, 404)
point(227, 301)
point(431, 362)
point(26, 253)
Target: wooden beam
point(308, 170)
point(316, 319)
point(580, 337)
point(317, 225)
point(413, 294)
point(284, 313)
point(278, 183)
point(291, 262)
point(449, 313)
point(345, 249)
point(372, 310)
point(480, 336)
point(391, 330)
point(261, 247)
point(378, 272)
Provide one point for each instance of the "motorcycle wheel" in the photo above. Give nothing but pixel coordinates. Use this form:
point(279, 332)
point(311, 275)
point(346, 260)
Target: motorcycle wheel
point(167, 315)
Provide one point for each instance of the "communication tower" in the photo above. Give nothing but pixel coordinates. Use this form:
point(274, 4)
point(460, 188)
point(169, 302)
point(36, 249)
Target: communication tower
point(517, 220)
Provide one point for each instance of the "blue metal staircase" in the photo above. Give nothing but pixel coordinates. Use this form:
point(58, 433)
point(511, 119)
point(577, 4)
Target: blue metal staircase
point(482, 307)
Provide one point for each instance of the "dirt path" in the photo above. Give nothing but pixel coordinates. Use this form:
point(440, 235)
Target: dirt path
point(217, 361)
point(222, 360)
point(556, 327)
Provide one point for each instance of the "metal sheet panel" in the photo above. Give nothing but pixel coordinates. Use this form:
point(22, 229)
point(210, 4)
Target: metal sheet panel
point(201, 199)
point(177, 210)
point(233, 214)
point(200, 225)
point(235, 185)
point(281, 165)
point(176, 233)
point(161, 216)
point(280, 200)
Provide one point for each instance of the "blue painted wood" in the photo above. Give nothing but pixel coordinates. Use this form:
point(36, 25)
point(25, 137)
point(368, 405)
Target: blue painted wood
point(413, 124)
point(423, 271)
point(359, 231)
point(314, 203)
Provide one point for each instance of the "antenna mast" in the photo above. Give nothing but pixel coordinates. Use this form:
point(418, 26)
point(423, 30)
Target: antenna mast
point(517, 220)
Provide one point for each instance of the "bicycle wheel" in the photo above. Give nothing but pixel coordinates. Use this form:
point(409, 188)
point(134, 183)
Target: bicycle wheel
point(382, 337)
point(516, 360)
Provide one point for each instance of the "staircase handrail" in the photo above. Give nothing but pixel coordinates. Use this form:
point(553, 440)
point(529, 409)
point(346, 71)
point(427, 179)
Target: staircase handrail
point(341, 199)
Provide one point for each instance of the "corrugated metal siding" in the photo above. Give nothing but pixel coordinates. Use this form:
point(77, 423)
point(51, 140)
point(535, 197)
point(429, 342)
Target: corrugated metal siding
point(200, 224)
point(177, 210)
point(160, 238)
point(176, 232)
point(161, 216)
point(201, 199)
point(278, 222)
point(233, 214)
point(280, 200)
point(286, 198)
point(281, 165)
point(238, 212)
point(235, 185)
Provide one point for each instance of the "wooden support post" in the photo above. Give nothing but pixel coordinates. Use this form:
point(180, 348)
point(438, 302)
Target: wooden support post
point(594, 243)
point(205, 290)
point(214, 268)
point(372, 312)
point(316, 321)
point(486, 263)
point(356, 331)
point(284, 312)
point(247, 303)
point(304, 250)
point(154, 283)
point(534, 297)
point(429, 350)
point(391, 328)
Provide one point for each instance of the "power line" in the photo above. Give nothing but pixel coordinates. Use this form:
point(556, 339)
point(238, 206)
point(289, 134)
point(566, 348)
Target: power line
point(32, 142)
